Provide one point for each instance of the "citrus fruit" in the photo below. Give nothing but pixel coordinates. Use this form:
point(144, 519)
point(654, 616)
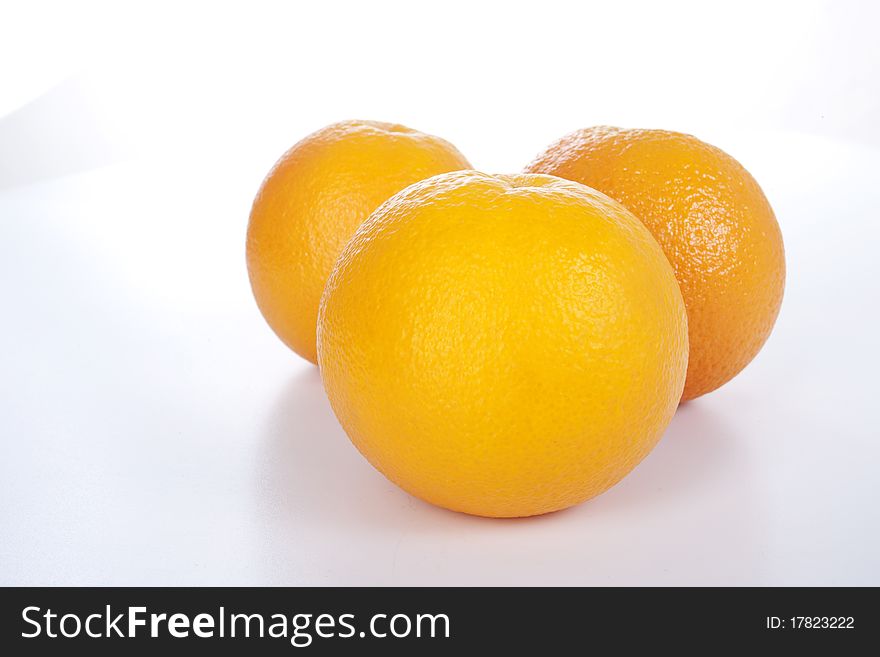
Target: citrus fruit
point(502, 345)
point(714, 224)
point(312, 201)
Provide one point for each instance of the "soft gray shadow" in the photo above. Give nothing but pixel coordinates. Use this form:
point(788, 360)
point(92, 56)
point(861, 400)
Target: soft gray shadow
point(312, 470)
point(694, 497)
point(57, 134)
point(698, 446)
point(697, 450)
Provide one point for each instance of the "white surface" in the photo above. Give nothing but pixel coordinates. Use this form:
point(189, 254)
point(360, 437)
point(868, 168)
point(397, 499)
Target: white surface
point(154, 431)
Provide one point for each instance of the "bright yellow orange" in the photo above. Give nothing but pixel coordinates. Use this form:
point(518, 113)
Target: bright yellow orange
point(312, 201)
point(714, 224)
point(503, 345)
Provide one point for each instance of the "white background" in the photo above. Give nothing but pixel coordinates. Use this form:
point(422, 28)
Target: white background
point(154, 431)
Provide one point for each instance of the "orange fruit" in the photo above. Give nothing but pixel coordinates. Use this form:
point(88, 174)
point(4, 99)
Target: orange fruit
point(503, 345)
point(312, 201)
point(714, 224)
